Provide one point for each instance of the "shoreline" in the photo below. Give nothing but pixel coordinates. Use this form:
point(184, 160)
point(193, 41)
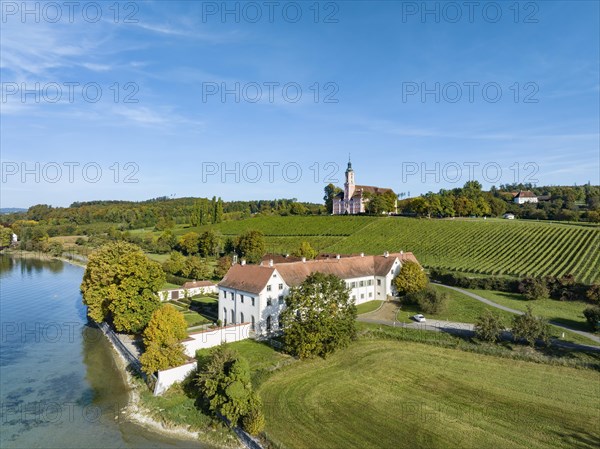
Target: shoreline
point(134, 411)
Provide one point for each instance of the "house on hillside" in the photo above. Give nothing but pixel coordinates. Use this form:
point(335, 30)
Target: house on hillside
point(354, 197)
point(525, 196)
point(256, 293)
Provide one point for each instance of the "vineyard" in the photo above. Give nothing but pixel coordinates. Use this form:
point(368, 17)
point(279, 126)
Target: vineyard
point(497, 247)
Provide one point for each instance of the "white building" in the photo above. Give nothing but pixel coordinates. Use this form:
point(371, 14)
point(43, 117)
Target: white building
point(353, 199)
point(188, 289)
point(256, 293)
point(525, 196)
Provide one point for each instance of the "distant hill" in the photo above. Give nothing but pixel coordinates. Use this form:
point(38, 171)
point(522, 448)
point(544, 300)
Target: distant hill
point(11, 210)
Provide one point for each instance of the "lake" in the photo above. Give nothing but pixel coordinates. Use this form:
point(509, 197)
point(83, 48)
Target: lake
point(60, 386)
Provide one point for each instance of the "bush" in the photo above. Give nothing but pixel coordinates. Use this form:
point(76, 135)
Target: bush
point(429, 300)
point(489, 326)
point(254, 421)
point(592, 315)
point(533, 288)
point(530, 328)
point(593, 293)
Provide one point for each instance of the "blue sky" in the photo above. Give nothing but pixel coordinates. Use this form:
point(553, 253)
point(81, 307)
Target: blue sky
point(369, 62)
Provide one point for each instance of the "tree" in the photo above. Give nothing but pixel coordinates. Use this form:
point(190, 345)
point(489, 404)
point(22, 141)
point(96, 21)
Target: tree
point(5, 237)
point(429, 300)
point(223, 265)
point(251, 245)
point(166, 326)
point(533, 288)
point(593, 293)
point(162, 340)
point(530, 328)
point(254, 421)
point(305, 250)
point(319, 317)
point(330, 192)
point(489, 326)
point(196, 268)
point(592, 315)
point(189, 243)
point(225, 384)
point(175, 263)
point(120, 285)
point(55, 249)
point(410, 279)
point(209, 243)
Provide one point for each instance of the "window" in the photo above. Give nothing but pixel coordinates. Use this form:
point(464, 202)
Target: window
point(361, 284)
point(281, 301)
point(241, 317)
point(233, 317)
point(252, 302)
point(242, 299)
point(268, 288)
point(354, 297)
point(362, 296)
point(280, 286)
point(354, 285)
point(269, 301)
point(232, 296)
point(379, 282)
point(224, 316)
point(370, 282)
point(253, 322)
point(274, 275)
point(370, 294)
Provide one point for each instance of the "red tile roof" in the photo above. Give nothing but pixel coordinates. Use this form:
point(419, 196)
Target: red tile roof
point(254, 278)
point(525, 194)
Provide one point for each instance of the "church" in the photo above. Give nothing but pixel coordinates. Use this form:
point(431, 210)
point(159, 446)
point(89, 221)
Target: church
point(353, 199)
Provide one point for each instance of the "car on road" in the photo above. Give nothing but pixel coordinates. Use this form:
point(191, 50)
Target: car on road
point(419, 318)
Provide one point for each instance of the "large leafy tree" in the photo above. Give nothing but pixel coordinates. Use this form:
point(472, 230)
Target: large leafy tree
point(209, 243)
point(410, 279)
point(530, 328)
point(120, 285)
point(162, 340)
point(190, 242)
point(319, 317)
point(251, 245)
point(225, 384)
point(489, 326)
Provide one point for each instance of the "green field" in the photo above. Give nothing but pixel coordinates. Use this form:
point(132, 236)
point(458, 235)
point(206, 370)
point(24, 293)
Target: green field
point(386, 394)
point(493, 246)
point(569, 313)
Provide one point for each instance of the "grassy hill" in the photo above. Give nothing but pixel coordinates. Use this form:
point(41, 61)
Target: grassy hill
point(493, 246)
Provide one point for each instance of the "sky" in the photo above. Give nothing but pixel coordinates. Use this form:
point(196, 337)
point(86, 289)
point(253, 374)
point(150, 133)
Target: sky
point(262, 100)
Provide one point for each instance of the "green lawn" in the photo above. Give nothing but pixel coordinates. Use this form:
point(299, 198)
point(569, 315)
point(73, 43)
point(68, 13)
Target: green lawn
point(194, 318)
point(168, 286)
point(386, 394)
point(158, 257)
point(261, 357)
point(367, 307)
point(459, 308)
point(569, 313)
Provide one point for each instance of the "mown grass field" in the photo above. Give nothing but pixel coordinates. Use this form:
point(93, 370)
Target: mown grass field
point(386, 394)
point(491, 247)
point(368, 306)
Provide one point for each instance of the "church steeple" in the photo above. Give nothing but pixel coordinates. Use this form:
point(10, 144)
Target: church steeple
point(349, 185)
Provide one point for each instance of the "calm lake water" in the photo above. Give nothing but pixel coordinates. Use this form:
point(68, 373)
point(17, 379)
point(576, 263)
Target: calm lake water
point(59, 384)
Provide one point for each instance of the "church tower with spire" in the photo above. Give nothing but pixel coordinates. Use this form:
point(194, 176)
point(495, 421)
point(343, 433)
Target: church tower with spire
point(349, 185)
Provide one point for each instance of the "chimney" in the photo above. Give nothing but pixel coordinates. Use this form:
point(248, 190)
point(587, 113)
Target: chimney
point(338, 257)
point(270, 262)
point(362, 254)
point(386, 254)
point(234, 260)
point(304, 260)
point(243, 262)
point(401, 252)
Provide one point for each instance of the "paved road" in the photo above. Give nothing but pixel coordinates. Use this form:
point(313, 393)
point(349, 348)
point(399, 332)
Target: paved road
point(589, 335)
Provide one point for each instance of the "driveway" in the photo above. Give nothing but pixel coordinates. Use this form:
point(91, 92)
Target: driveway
point(589, 335)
